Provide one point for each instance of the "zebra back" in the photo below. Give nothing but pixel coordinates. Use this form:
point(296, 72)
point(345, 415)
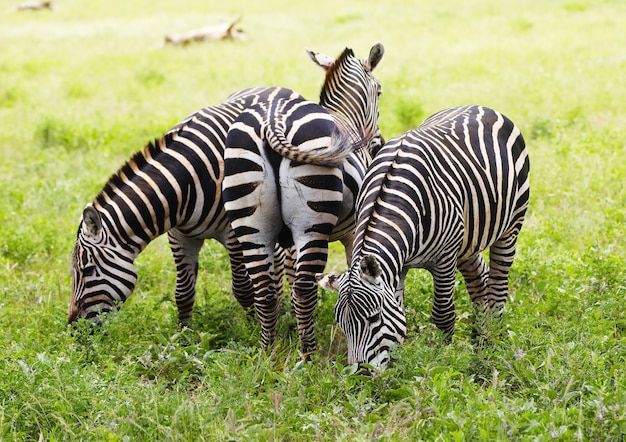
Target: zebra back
point(467, 163)
point(296, 129)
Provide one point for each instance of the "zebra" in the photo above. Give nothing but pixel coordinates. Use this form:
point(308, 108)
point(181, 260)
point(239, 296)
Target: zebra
point(301, 201)
point(433, 198)
point(173, 185)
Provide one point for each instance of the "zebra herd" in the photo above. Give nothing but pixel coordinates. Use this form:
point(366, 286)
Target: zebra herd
point(275, 178)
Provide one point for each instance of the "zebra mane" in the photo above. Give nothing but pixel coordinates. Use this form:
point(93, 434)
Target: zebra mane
point(136, 161)
point(329, 100)
point(332, 72)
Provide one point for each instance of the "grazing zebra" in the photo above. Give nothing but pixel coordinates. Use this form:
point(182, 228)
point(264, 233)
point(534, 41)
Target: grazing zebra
point(433, 198)
point(173, 185)
point(303, 200)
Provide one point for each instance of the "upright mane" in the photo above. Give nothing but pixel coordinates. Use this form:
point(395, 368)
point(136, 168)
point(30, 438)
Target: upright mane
point(332, 73)
point(137, 161)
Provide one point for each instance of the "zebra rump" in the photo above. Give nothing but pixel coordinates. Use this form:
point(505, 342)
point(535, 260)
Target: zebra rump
point(316, 139)
point(292, 170)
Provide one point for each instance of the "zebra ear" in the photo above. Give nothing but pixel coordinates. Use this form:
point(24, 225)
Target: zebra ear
point(323, 61)
point(92, 221)
point(328, 282)
point(370, 269)
point(376, 54)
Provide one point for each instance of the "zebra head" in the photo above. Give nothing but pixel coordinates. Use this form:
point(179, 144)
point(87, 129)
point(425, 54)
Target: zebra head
point(103, 274)
point(367, 311)
point(350, 92)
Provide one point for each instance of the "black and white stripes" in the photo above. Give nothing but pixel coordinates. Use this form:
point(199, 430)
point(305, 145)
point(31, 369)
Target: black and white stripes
point(433, 198)
point(292, 170)
point(173, 185)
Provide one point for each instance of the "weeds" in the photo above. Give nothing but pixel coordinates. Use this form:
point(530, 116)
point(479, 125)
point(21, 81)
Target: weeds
point(85, 87)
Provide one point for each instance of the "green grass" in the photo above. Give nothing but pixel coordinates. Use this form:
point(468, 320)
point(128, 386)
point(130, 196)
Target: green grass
point(84, 87)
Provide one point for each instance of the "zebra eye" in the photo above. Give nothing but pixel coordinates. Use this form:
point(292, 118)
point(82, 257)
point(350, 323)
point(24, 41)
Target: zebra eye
point(374, 318)
point(89, 270)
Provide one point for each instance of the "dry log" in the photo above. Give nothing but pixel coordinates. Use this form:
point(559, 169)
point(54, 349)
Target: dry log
point(35, 5)
point(216, 32)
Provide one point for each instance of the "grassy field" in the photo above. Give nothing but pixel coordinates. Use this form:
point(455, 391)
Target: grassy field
point(84, 86)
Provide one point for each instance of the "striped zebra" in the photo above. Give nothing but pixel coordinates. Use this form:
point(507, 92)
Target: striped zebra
point(173, 185)
point(301, 199)
point(433, 198)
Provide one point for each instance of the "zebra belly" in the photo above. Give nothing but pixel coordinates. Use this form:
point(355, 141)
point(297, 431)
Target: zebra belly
point(219, 231)
point(487, 218)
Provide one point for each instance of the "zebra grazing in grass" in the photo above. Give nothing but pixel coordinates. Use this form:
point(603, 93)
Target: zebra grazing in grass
point(433, 198)
point(301, 199)
point(173, 185)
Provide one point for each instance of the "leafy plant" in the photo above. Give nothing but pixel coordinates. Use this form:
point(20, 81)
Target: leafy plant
point(86, 86)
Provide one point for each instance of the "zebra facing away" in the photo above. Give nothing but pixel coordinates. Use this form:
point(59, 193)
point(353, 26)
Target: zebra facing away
point(173, 185)
point(300, 199)
point(433, 198)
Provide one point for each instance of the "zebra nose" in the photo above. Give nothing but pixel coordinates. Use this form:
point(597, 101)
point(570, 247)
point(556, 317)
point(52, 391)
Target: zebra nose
point(72, 314)
point(364, 369)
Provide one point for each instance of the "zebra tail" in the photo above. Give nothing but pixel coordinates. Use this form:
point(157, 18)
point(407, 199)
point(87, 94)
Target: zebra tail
point(330, 150)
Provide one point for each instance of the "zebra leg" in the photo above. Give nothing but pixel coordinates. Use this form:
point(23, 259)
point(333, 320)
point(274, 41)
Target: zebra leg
point(284, 268)
point(476, 275)
point(258, 258)
point(443, 313)
point(501, 255)
point(289, 255)
point(241, 283)
point(312, 199)
point(243, 291)
point(290, 263)
point(259, 284)
point(250, 195)
point(279, 271)
point(348, 245)
point(260, 265)
point(311, 259)
point(185, 251)
point(400, 288)
point(257, 238)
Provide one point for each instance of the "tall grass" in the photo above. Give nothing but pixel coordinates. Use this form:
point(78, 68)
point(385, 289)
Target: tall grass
point(83, 87)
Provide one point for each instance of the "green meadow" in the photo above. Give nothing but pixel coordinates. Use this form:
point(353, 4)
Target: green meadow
point(85, 86)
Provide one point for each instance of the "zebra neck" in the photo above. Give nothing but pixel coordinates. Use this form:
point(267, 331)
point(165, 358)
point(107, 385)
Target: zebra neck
point(127, 229)
point(145, 198)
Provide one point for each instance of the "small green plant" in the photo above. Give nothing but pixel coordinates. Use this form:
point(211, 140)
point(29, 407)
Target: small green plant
point(84, 87)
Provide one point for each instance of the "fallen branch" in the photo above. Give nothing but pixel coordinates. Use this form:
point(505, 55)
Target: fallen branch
point(35, 5)
point(217, 32)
